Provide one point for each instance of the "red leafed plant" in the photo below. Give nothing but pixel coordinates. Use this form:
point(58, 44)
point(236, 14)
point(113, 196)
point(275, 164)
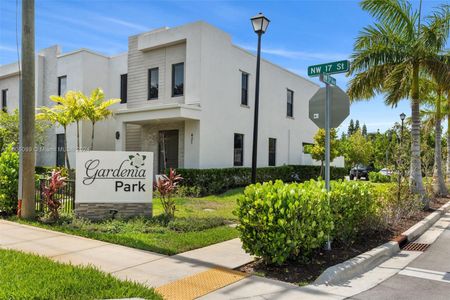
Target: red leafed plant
point(55, 183)
point(166, 186)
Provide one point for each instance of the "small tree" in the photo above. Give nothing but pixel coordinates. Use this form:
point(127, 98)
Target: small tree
point(96, 109)
point(166, 187)
point(317, 150)
point(357, 149)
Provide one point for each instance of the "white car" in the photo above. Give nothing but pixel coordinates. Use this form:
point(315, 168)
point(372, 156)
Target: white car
point(386, 172)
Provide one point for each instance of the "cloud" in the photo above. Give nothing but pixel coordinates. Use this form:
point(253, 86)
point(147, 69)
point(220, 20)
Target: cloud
point(126, 24)
point(299, 54)
point(8, 49)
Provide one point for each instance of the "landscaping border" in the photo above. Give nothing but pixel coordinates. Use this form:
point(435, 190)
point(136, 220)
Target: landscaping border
point(368, 260)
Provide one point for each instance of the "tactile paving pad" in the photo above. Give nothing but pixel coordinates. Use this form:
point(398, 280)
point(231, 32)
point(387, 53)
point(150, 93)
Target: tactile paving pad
point(200, 284)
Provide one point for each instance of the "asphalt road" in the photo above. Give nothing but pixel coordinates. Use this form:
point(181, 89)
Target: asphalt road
point(427, 277)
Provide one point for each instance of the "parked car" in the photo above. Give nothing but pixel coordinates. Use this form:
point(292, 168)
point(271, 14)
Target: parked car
point(360, 171)
point(386, 172)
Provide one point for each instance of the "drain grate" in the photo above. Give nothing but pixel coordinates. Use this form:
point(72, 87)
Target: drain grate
point(416, 247)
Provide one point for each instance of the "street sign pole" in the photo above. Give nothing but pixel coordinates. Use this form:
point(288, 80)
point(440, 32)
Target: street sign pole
point(327, 150)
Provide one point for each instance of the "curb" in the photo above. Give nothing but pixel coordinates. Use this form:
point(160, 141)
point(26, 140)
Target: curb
point(368, 260)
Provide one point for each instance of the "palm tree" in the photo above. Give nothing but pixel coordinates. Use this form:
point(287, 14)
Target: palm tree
point(71, 102)
point(432, 117)
point(388, 58)
point(96, 109)
point(57, 115)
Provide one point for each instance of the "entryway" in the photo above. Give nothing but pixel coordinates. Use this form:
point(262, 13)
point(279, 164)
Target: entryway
point(167, 150)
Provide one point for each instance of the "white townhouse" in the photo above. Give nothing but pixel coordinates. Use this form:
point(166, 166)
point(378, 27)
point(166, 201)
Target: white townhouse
point(187, 95)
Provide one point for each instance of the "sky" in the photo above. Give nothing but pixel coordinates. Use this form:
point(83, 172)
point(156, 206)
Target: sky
point(301, 33)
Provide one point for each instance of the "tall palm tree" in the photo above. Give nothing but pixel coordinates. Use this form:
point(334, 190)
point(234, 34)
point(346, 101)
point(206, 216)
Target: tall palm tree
point(60, 116)
point(432, 117)
point(96, 109)
point(388, 58)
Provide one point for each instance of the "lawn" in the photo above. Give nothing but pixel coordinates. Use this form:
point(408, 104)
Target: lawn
point(199, 222)
point(26, 276)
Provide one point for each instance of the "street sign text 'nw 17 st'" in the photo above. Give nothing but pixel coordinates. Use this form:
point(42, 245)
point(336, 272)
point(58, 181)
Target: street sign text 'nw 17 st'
point(329, 68)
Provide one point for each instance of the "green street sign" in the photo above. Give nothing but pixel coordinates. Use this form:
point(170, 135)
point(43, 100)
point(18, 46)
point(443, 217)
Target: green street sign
point(329, 68)
point(326, 78)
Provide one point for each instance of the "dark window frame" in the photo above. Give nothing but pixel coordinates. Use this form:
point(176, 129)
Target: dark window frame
point(151, 96)
point(4, 100)
point(272, 152)
point(59, 84)
point(244, 90)
point(290, 103)
point(174, 94)
point(123, 88)
point(236, 161)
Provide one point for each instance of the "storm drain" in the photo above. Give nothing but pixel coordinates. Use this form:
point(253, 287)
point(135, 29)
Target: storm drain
point(416, 247)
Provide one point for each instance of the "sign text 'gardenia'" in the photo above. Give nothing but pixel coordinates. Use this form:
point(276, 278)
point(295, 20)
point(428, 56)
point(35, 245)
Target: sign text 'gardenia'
point(129, 169)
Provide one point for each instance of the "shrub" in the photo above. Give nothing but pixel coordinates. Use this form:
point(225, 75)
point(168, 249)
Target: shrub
point(354, 206)
point(166, 187)
point(49, 192)
point(377, 177)
point(9, 180)
point(280, 221)
point(216, 181)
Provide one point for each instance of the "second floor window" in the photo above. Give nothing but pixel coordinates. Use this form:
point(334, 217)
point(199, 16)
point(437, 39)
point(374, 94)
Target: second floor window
point(4, 100)
point(177, 79)
point(238, 150)
point(62, 85)
point(272, 151)
point(244, 89)
point(153, 78)
point(290, 103)
point(123, 88)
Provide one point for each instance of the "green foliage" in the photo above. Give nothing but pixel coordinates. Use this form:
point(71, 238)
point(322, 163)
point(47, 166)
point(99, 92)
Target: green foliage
point(26, 276)
point(9, 129)
point(195, 224)
point(215, 181)
point(9, 179)
point(377, 177)
point(317, 150)
point(357, 150)
point(283, 221)
point(354, 206)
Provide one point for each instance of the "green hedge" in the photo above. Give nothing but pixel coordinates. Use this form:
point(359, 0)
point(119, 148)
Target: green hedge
point(279, 221)
point(214, 181)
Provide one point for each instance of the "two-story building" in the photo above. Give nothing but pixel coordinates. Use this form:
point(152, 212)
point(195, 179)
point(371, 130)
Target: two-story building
point(187, 95)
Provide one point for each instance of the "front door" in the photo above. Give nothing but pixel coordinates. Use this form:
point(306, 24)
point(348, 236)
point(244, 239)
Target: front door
point(168, 150)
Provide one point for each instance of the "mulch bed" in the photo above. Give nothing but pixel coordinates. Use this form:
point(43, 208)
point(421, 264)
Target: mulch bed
point(302, 273)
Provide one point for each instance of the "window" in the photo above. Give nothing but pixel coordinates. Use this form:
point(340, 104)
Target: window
point(153, 78)
point(123, 88)
point(238, 150)
point(272, 151)
point(290, 103)
point(4, 99)
point(60, 154)
point(177, 79)
point(244, 89)
point(62, 85)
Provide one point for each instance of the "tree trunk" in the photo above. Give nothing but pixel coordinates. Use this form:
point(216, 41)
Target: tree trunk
point(92, 136)
point(448, 137)
point(439, 188)
point(78, 135)
point(321, 168)
point(66, 155)
point(415, 176)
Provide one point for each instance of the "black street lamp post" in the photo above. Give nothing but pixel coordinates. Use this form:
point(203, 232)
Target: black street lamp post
point(259, 23)
point(402, 117)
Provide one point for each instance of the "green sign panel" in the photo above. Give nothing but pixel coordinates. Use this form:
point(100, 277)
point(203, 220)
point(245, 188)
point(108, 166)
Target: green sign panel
point(326, 78)
point(329, 68)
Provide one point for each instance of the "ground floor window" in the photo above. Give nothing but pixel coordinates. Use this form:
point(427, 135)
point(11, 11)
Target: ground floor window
point(272, 151)
point(238, 150)
point(60, 153)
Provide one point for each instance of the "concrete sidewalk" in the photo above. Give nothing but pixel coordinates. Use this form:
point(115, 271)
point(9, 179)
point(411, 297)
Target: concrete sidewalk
point(151, 269)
